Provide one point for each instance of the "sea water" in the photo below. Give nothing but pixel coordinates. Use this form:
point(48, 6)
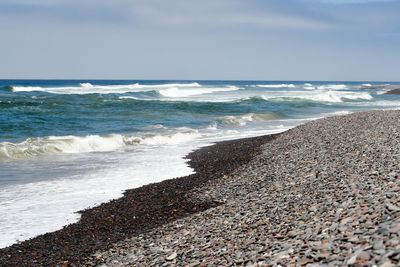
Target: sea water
point(70, 145)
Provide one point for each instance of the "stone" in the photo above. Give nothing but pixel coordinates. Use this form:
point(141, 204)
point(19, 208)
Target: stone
point(172, 256)
point(392, 207)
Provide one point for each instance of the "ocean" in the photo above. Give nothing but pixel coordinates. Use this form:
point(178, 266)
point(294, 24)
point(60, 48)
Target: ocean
point(67, 145)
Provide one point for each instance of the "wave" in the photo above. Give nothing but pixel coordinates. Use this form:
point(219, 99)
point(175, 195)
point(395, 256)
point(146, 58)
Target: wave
point(276, 85)
point(366, 85)
point(174, 92)
point(40, 146)
point(333, 87)
point(330, 97)
point(129, 97)
point(309, 86)
point(88, 88)
point(242, 120)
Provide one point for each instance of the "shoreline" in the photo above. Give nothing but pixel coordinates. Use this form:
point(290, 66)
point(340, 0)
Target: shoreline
point(326, 193)
point(153, 205)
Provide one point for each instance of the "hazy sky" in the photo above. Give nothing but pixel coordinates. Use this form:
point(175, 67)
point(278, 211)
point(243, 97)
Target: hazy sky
point(201, 39)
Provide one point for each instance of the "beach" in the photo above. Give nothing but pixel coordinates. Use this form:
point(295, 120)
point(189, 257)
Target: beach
point(326, 192)
point(69, 145)
point(140, 210)
point(199, 133)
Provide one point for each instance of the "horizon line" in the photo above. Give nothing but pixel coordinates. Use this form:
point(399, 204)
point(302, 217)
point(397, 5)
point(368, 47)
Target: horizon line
point(186, 80)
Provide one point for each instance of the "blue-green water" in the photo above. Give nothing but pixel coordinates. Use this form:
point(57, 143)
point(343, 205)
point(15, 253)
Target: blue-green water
point(67, 145)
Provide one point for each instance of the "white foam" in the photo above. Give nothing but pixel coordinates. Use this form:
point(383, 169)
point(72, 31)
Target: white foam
point(87, 85)
point(338, 113)
point(36, 208)
point(27, 88)
point(357, 96)
point(28, 210)
point(382, 92)
point(212, 126)
point(276, 85)
point(88, 88)
point(333, 87)
point(33, 147)
point(174, 92)
point(128, 97)
point(170, 85)
point(242, 120)
point(322, 96)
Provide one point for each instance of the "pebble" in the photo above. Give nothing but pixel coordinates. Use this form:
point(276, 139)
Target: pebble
point(326, 193)
point(172, 256)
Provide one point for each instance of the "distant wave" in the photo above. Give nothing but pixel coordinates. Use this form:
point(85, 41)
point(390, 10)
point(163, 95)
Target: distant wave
point(88, 88)
point(327, 97)
point(309, 86)
point(33, 147)
point(366, 85)
point(172, 90)
point(276, 85)
point(189, 95)
point(175, 92)
point(333, 87)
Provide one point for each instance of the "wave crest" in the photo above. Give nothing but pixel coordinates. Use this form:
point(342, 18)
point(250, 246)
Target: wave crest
point(175, 92)
point(330, 97)
point(88, 88)
point(333, 87)
point(33, 147)
point(249, 117)
point(284, 85)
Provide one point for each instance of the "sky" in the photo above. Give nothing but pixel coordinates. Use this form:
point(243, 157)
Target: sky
point(353, 40)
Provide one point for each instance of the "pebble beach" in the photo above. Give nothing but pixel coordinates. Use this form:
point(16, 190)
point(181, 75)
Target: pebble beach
point(325, 193)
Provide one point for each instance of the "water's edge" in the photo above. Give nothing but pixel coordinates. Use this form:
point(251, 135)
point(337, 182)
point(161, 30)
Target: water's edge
point(139, 210)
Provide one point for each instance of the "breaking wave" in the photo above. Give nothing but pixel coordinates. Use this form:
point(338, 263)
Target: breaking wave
point(88, 88)
point(330, 97)
point(33, 147)
point(276, 85)
point(309, 86)
point(333, 87)
point(250, 117)
point(181, 92)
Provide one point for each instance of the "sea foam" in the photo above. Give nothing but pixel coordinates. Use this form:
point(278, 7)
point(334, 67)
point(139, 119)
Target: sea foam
point(88, 88)
point(36, 208)
point(322, 96)
point(333, 87)
point(39, 146)
point(242, 120)
point(284, 85)
point(175, 92)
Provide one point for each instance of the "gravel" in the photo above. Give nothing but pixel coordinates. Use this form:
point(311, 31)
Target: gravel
point(326, 193)
point(138, 211)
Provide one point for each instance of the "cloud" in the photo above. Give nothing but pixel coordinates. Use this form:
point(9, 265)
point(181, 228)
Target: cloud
point(172, 13)
point(225, 13)
point(218, 39)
